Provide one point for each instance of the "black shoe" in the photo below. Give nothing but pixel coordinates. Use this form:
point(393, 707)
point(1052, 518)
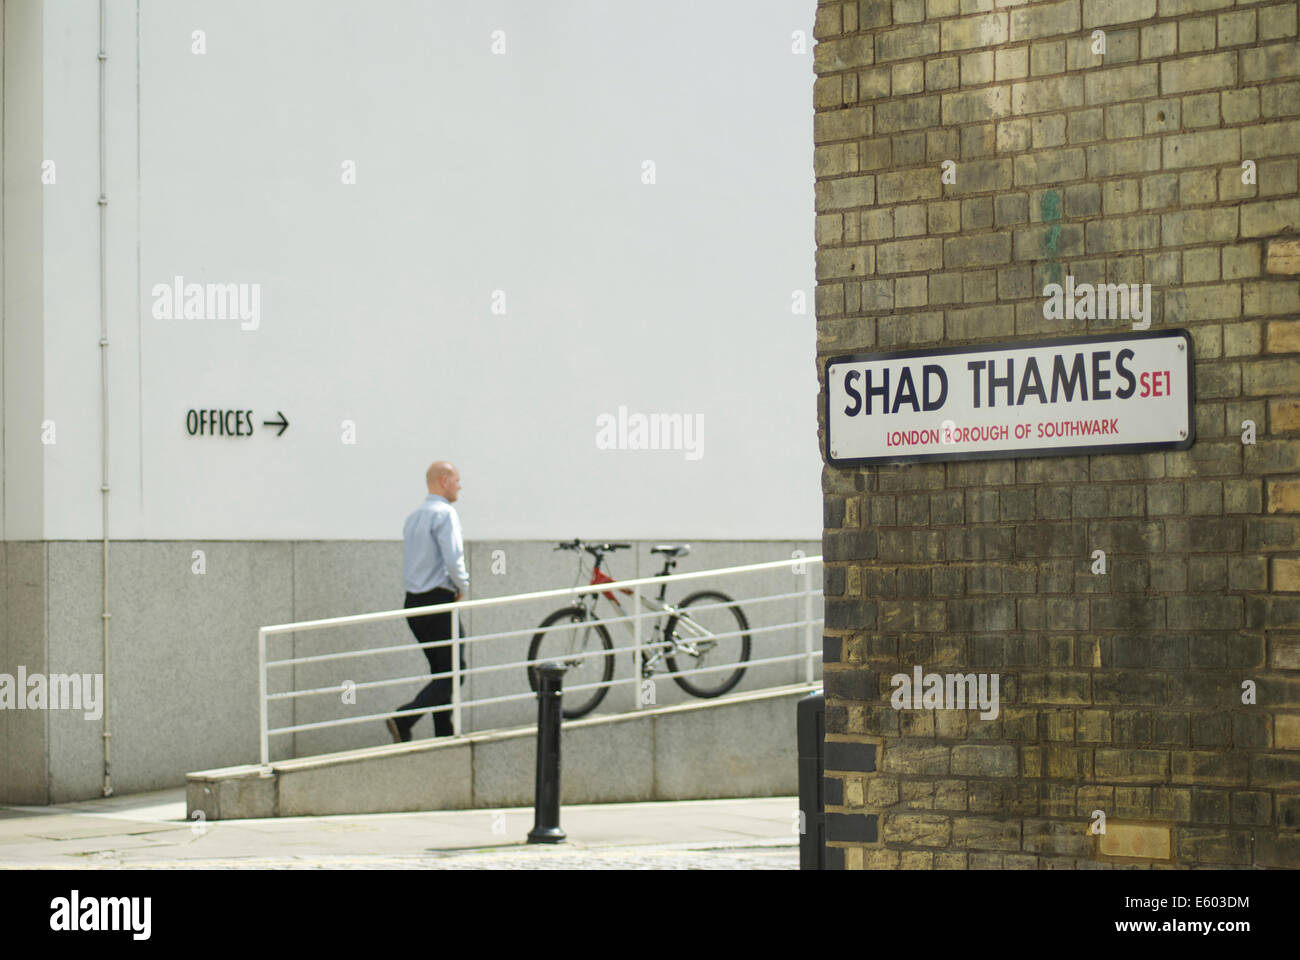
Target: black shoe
point(399, 735)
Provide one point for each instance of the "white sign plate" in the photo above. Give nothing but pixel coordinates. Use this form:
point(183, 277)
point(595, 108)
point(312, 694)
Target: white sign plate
point(1121, 393)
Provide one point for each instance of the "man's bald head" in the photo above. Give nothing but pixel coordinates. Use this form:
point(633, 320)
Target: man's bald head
point(437, 470)
point(443, 478)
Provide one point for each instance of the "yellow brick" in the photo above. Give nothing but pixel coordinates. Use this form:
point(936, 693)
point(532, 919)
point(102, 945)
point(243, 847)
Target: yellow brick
point(1270, 376)
point(1148, 841)
point(876, 860)
point(881, 791)
point(1281, 455)
point(1284, 496)
point(853, 791)
point(1283, 257)
point(1284, 415)
point(1284, 337)
point(1286, 575)
point(986, 31)
point(854, 585)
point(1044, 20)
point(1013, 63)
point(1286, 731)
point(1198, 73)
point(1274, 298)
point(857, 715)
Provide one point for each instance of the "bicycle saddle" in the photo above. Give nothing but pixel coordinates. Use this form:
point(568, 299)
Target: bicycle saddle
point(672, 549)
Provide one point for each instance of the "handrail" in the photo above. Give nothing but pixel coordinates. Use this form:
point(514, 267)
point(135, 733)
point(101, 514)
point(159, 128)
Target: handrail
point(639, 613)
point(488, 668)
point(540, 595)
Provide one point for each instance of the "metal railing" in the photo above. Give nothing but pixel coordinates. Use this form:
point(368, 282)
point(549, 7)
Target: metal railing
point(811, 654)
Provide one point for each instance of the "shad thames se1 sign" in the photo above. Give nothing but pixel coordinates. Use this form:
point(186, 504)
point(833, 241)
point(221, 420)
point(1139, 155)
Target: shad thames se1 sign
point(1121, 393)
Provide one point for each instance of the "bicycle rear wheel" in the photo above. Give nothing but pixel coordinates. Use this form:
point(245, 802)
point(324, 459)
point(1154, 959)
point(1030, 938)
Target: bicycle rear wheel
point(579, 649)
point(700, 643)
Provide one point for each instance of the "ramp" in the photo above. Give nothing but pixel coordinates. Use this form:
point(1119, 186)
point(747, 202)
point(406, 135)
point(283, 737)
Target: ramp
point(739, 746)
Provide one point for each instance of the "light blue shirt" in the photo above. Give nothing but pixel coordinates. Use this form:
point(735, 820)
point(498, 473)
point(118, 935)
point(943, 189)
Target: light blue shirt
point(434, 551)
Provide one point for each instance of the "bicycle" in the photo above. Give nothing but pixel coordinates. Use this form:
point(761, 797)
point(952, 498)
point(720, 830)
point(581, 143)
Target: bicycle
point(689, 634)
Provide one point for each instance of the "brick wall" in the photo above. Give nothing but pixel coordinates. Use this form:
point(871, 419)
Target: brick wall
point(1121, 692)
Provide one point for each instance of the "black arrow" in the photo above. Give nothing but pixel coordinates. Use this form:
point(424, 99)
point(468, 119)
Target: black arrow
point(282, 423)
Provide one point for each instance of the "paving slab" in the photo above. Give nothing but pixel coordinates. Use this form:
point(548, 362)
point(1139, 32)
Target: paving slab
point(150, 831)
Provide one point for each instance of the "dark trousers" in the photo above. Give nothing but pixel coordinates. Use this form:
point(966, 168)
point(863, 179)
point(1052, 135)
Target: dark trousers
point(429, 629)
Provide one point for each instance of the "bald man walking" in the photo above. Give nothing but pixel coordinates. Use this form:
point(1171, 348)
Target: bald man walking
point(433, 568)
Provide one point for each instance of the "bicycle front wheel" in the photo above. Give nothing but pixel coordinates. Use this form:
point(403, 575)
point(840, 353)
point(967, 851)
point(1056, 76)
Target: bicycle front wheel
point(569, 637)
point(710, 632)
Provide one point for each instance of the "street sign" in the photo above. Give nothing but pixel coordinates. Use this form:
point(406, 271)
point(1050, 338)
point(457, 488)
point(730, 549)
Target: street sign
point(1119, 393)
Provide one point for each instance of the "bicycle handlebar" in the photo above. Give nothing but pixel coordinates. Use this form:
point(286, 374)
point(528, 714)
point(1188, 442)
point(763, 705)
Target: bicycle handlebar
point(592, 548)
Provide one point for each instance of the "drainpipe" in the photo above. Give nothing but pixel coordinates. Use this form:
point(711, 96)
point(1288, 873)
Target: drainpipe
point(103, 373)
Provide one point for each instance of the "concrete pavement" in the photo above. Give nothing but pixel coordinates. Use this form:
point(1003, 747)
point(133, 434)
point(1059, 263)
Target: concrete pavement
point(149, 831)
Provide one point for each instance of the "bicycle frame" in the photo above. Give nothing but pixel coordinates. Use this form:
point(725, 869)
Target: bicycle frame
point(678, 630)
point(657, 604)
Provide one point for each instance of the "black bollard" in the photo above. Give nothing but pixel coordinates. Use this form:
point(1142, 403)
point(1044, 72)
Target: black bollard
point(546, 802)
point(811, 733)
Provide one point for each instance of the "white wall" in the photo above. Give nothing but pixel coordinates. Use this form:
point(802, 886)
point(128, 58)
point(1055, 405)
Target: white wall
point(475, 172)
point(23, 239)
